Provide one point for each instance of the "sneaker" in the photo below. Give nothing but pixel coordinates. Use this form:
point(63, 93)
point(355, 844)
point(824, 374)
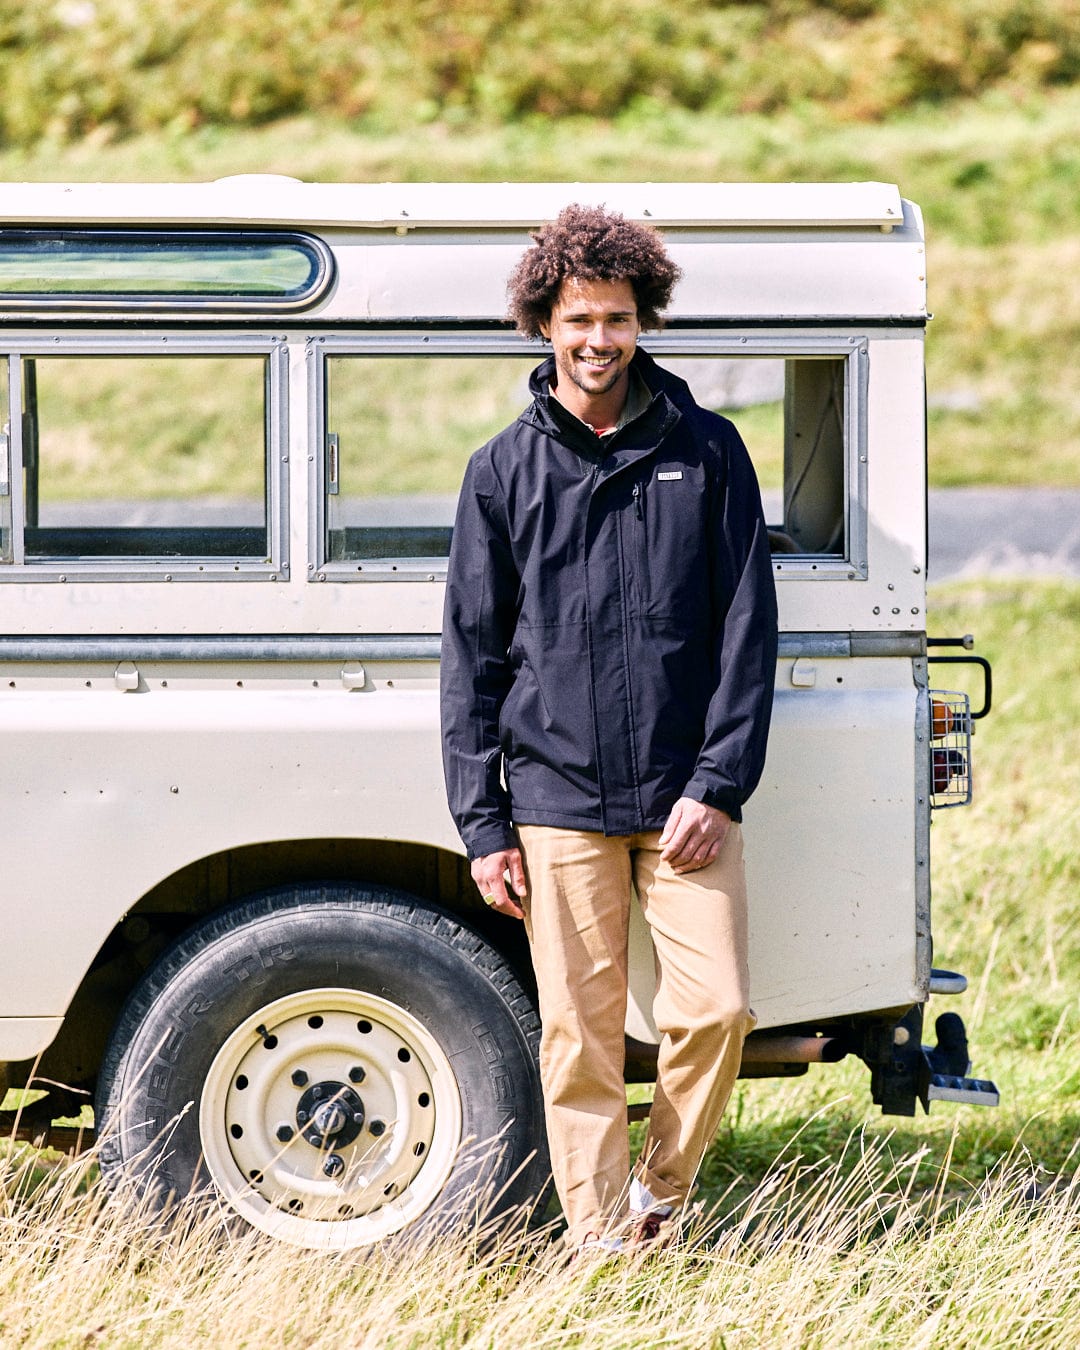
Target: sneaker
point(653, 1229)
point(596, 1247)
point(650, 1220)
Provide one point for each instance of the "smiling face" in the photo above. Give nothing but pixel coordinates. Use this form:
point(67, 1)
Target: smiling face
point(593, 330)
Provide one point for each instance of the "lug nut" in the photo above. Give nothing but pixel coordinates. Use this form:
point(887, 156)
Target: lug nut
point(299, 1078)
point(284, 1132)
point(377, 1127)
point(302, 1117)
point(334, 1165)
point(357, 1074)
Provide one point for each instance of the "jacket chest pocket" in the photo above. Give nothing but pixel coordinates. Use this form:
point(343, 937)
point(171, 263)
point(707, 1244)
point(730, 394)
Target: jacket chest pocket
point(667, 528)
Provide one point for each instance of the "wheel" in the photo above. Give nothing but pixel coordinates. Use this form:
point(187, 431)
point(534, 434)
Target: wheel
point(336, 1062)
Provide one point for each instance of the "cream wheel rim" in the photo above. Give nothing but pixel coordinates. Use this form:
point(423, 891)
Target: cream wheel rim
point(330, 1118)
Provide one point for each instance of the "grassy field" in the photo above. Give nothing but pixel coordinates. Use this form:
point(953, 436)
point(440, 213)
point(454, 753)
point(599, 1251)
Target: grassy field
point(825, 1224)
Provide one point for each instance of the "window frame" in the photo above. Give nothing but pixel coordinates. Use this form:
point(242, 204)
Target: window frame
point(853, 349)
point(387, 344)
point(16, 567)
point(671, 343)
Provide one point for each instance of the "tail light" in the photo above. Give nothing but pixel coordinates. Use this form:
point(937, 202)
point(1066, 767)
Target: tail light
point(950, 748)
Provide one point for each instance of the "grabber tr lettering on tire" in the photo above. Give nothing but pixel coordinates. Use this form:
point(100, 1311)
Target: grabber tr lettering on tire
point(338, 1062)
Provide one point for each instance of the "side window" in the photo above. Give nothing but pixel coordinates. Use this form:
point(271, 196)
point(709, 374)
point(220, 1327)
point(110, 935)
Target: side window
point(793, 413)
point(144, 457)
point(399, 432)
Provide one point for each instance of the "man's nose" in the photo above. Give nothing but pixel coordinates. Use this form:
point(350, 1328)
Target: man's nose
point(598, 334)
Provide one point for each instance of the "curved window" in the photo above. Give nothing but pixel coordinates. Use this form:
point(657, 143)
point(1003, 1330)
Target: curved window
point(241, 270)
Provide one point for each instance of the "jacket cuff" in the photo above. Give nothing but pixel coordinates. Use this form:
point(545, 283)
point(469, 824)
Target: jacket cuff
point(721, 799)
point(493, 839)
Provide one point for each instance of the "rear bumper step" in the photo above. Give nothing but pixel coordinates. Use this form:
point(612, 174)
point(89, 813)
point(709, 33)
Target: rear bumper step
point(943, 1087)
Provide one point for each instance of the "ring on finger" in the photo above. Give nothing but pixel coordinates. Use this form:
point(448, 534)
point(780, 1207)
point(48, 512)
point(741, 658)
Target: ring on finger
point(489, 900)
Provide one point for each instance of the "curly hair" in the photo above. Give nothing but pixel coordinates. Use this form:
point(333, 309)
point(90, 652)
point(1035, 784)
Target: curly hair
point(590, 243)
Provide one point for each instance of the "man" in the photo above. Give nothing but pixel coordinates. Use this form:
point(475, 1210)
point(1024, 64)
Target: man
point(609, 652)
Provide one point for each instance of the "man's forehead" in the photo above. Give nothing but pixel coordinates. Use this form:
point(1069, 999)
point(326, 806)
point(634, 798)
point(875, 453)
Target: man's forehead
point(591, 294)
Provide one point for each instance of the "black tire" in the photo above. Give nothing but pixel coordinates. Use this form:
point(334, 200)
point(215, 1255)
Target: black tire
point(406, 1021)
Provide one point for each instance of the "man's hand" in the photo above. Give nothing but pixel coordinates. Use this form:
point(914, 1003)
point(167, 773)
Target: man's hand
point(693, 835)
point(489, 873)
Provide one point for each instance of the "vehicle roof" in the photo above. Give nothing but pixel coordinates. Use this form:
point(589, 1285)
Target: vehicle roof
point(270, 199)
point(415, 252)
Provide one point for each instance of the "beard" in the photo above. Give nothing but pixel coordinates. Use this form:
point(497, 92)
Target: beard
point(590, 381)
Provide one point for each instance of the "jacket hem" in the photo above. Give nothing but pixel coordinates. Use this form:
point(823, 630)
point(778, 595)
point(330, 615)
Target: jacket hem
point(588, 824)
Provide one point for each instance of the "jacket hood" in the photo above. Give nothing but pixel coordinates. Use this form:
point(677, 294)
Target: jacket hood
point(671, 399)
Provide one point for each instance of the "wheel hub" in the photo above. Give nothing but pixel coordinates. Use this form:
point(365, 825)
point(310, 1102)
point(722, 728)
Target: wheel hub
point(330, 1115)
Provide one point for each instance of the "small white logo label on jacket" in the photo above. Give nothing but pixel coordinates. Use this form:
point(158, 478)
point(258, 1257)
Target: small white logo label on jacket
point(669, 475)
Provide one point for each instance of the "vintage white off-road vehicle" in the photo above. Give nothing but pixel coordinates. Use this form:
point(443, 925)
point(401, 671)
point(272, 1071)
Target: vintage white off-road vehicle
point(235, 910)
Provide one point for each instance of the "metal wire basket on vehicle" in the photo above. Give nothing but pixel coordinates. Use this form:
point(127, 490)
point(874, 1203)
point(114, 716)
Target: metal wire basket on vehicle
point(950, 748)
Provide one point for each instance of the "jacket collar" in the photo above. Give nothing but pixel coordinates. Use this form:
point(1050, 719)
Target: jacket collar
point(639, 437)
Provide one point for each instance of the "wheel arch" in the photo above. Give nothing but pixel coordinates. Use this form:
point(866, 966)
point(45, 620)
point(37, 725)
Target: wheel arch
point(211, 883)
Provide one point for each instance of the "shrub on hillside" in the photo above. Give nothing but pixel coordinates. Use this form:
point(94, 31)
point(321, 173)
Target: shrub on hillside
point(113, 67)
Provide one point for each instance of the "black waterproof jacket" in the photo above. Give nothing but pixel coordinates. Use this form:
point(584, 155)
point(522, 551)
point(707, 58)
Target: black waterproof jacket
point(609, 639)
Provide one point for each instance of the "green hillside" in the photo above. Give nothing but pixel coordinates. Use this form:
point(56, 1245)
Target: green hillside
point(121, 66)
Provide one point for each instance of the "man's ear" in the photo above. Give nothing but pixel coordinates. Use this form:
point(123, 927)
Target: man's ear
point(545, 329)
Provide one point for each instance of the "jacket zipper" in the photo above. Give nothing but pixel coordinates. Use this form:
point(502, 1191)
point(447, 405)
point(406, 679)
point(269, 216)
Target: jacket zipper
point(638, 494)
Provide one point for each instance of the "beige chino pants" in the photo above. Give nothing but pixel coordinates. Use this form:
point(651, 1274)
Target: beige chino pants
point(577, 918)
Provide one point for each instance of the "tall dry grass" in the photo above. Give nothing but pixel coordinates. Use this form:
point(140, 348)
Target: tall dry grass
point(848, 1253)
